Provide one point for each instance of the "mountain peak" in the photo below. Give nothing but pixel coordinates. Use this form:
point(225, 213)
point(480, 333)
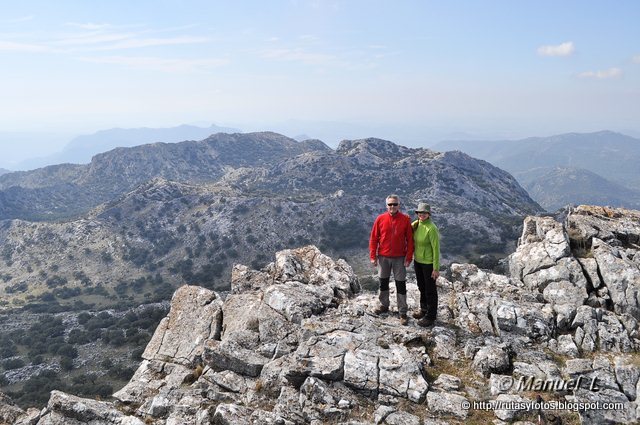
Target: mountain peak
point(381, 148)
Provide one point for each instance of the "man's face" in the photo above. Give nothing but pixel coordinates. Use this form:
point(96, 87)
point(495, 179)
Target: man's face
point(392, 205)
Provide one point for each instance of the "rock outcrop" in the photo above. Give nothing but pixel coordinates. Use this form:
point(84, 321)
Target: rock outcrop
point(295, 342)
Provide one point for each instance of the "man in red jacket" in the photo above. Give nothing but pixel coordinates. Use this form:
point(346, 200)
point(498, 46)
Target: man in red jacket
point(391, 248)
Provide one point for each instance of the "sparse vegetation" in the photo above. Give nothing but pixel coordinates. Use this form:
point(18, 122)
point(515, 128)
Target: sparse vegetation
point(45, 343)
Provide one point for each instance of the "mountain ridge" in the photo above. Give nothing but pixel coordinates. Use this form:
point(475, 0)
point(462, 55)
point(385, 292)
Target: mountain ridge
point(613, 156)
point(575, 183)
point(82, 148)
point(114, 172)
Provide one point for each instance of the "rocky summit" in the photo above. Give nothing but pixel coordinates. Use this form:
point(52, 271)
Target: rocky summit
point(555, 340)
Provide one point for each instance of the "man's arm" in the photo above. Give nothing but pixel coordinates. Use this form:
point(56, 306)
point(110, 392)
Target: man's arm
point(374, 239)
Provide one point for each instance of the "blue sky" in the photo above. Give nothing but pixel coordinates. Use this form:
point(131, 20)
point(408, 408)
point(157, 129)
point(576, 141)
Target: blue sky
point(410, 71)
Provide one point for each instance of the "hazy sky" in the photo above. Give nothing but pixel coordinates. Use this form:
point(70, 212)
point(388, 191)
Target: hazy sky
point(513, 68)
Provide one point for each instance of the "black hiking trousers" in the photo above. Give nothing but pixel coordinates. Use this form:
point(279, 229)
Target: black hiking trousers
point(427, 288)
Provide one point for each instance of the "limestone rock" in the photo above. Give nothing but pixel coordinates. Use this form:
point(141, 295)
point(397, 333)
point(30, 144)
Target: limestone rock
point(297, 301)
point(65, 409)
point(566, 346)
point(447, 404)
point(626, 415)
point(627, 376)
point(541, 245)
point(402, 418)
point(9, 412)
point(400, 374)
point(590, 266)
point(296, 343)
point(243, 279)
point(231, 414)
point(621, 277)
point(150, 377)
point(583, 315)
point(490, 360)
point(509, 414)
point(445, 344)
point(194, 308)
point(447, 383)
point(564, 292)
point(500, 384)
point(229, 355)
point(311, 267)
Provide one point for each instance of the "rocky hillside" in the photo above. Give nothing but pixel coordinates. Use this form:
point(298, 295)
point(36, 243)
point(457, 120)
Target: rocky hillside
point(555, 341)
point(258, 162)
point(68, 190)
point(571, 185)
point(239, 205)
point(612, 156)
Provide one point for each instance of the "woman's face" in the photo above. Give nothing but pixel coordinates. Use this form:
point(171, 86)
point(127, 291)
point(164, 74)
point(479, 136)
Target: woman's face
point(422, 216)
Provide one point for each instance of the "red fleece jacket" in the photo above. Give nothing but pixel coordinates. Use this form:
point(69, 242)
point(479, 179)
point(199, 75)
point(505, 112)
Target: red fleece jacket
point(391, 236)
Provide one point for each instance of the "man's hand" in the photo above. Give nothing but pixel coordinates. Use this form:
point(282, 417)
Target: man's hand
point(407, 263)
point(435, 274)
point(374, 262)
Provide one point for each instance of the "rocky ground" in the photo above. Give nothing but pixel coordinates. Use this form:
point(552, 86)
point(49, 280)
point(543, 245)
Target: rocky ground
point(554, 341)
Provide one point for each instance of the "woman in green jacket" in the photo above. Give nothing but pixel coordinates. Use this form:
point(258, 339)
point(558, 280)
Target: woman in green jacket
point(426, 239)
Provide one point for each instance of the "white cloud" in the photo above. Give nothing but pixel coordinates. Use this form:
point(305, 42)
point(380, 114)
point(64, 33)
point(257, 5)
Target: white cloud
point(92, 38)
point(601, 75)
point(104, 36)
point(298, 55)
point(150, 42)
point(88, 26)
point(21, 47)
point(18, 20)
point(564, 49)
point(309, 37)
point(160, 64)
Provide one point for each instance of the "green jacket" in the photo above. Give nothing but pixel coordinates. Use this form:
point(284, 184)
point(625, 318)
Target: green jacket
point(426, 240)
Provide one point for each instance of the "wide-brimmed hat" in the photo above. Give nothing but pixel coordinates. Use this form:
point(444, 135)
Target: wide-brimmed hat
point(423, 207)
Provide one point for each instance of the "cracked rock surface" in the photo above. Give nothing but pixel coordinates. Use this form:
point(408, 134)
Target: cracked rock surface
point(296, 342)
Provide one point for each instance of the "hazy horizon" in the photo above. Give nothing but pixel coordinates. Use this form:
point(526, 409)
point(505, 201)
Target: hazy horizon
point(414, 72)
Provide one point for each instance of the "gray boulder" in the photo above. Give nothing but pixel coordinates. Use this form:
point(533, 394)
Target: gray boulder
point(9, 412)
point(66, 409)
point(447, 404)
point(621, 277)
point(627, 375)
point(490, 360)
point(194, 308)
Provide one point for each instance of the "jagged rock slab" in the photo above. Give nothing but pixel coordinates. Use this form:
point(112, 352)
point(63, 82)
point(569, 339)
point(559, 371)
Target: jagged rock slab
point(65, 409)
point(194, 308)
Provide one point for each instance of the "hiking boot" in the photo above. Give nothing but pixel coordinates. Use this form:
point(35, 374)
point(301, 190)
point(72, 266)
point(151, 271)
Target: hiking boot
point(381, 309)
point(419, 314)
point(404, 320)
point(425, 322)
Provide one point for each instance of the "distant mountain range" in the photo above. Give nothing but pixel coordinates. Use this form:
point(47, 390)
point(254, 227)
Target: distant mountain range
point(553, 187)
point(81, 149)
point(189, 210)
point(606, 163)
point(3, 171)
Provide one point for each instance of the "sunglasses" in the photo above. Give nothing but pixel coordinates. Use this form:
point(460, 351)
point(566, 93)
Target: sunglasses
point(393, 204)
